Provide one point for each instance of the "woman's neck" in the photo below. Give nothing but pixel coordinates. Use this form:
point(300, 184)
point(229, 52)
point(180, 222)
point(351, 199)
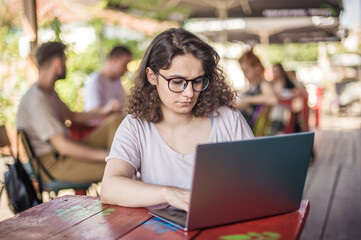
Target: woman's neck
point(183, 132)
point(175, 120)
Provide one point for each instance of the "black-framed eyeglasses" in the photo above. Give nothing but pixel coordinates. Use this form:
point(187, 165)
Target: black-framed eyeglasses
point(179, 84)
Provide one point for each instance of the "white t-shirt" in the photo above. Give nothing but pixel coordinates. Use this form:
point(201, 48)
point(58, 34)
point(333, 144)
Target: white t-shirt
point(99, 90)
point(139, 143)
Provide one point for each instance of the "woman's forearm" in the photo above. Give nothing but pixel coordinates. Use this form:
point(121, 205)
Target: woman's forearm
point(127, 192)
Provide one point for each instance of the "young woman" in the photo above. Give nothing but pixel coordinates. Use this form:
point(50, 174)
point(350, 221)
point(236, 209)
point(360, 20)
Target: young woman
point(292, 96)
point(180, 100)
point(260, 92)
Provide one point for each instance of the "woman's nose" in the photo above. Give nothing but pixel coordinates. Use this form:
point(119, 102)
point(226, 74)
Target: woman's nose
point(188, 91)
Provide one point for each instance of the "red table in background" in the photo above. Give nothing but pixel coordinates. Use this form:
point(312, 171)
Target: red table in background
point(290, 124)
point(79, 132)
point(84, 217)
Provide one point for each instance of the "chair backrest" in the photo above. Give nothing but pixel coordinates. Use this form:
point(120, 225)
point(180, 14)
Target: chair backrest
point(53, 185)
point(4, 140)
point(28, 149)
point(32, 157)
point(17, 180)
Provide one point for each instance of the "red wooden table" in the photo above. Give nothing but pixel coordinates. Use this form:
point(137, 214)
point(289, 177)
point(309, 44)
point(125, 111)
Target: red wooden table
point(84, 217)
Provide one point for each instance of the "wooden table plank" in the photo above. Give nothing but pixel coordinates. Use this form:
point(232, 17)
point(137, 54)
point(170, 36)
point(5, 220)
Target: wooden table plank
point(61, 213)
point(357, 148)
point(343, 215)
point(112, 223)
point(322, 145)
point(156, 228)
point(344, 220)
point(343, 152)
point(336, 151)
point(325, 142)
point(319, 194)
point(320, 182)
point(82, 217)
point(286, 226)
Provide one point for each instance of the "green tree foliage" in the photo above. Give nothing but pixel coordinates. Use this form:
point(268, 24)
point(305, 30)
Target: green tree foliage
point(12, 83)
point(9, 34)
point(293, 52)
point(55, 25)
point(81, 64)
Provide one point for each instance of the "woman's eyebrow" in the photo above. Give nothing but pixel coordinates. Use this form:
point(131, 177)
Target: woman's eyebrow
point(179, 76)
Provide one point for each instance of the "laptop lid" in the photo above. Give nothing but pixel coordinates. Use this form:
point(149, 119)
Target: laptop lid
point(248, 179)
point(237, 181)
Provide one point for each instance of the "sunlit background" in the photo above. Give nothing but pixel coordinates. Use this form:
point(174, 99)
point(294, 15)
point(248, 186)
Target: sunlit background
point(321, 43)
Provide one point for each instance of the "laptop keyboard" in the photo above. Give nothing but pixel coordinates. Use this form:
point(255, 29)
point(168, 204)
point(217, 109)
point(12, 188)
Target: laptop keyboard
point(178, 214)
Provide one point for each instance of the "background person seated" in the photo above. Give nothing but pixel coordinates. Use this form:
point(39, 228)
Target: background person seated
point(105, 85)
point(291, 96)
point(259, 95)
point(42, 116)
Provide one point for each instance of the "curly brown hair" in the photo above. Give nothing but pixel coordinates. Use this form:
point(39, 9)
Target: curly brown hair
point(144, 101)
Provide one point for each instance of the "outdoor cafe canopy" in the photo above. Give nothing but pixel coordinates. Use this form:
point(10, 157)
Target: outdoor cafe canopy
point(268, 30)
point(276, 21)
point(262, 8)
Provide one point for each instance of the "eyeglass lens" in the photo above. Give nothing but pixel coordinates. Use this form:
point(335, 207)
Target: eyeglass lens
point(178, 85)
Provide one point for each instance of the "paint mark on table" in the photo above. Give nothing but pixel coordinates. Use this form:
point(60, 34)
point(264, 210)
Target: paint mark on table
point(77, 212)
point(253, 236)
point(159, 226)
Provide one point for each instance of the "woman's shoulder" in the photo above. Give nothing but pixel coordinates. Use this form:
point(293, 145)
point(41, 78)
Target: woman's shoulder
point(134, 120)
point(227, 112)
point(231, 124)
point(135, 123)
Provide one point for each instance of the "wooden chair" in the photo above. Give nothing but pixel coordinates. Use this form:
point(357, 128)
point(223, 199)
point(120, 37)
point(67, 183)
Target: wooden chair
point(4, 143)
point(54, 186)
point(8, 156)
point(4, 140)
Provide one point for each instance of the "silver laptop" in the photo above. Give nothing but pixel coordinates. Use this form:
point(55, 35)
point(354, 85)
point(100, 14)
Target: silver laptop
point(243, 180)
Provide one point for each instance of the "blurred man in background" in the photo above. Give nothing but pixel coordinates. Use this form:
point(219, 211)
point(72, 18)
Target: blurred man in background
point(42, 116)
point(105, 86)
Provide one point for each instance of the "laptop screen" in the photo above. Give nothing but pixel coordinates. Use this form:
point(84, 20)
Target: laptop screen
point(243, 180)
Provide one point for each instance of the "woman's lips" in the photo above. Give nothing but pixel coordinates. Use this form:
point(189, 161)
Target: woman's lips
point(186, 103)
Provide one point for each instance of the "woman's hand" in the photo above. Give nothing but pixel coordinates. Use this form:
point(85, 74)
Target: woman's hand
point(178, 197)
